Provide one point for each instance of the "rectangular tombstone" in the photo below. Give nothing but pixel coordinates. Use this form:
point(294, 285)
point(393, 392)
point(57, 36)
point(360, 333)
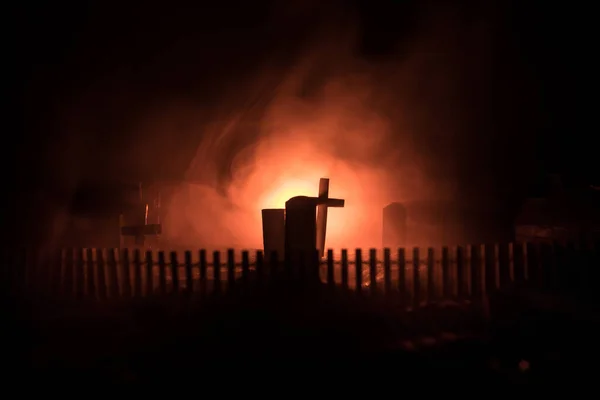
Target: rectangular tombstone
point(300, 225)
point(394, 225)
point(301, 232)
point(273, 224)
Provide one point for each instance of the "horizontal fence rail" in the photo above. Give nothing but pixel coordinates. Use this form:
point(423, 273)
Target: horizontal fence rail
point(416, 275)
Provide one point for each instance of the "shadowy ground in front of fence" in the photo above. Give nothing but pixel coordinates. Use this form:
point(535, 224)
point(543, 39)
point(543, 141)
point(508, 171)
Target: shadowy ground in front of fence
point(290, 333)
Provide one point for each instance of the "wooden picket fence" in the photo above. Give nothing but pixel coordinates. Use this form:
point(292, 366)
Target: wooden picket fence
point(417, 276)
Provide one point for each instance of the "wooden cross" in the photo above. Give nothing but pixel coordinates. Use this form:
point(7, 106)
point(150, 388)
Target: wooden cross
point(323, 203)
point(141, 231)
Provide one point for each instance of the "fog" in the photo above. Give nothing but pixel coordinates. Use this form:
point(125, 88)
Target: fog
point(331, 115)
point(382, 130)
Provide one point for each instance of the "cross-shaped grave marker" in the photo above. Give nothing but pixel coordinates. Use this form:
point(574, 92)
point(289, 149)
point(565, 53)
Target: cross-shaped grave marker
point(302, 227)
point(140, 227)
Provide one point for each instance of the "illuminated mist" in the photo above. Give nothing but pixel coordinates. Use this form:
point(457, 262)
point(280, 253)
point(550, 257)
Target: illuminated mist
point(354, 127)
point(381, 130)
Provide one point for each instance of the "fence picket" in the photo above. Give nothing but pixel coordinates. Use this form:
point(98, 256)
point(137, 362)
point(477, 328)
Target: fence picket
point(373, 270)
point(203, 265)
point(162, 274)
point(113, 279)
point(216, 271)
point(402, 276)
point(461, 273)
point(358, 270)
point(344, 269)
point(431, 295)
point(91, 284)
point(137, 273)
point(230, 268)
point(101, 274)
point(175, 286)
point(149, 273)
point(79, 274)
point(126, 273)
point(330, 269)
point(387, 270)
point(416, 291)
point(189, 272)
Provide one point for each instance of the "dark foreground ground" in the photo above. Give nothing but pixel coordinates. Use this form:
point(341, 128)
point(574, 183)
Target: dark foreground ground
point(303, 339)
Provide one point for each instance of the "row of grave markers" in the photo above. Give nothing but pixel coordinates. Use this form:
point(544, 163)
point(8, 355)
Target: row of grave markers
point(301, 226)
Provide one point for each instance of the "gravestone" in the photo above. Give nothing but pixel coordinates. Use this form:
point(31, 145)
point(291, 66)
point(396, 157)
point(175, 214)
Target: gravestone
point(300, 229)
point(394, 225)
point(301, 223)
point(273, 224)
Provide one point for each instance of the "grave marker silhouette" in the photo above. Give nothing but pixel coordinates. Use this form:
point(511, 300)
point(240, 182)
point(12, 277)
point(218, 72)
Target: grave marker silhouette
point(135, 223)
point(273, 225)
point(304, 224)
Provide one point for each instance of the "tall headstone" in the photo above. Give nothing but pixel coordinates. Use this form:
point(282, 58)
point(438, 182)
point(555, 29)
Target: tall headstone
point(296, 233)
point(394, 225)
point(301, 222)
point(273, 225)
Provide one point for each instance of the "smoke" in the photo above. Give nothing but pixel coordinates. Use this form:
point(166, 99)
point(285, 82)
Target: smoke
point(381, 130)
point(329, 115)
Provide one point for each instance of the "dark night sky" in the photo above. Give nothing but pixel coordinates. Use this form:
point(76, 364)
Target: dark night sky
point(130, 54)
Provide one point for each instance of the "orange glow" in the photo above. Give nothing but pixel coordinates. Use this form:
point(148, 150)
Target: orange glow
point(338, 135)
point(284, 170)
point(277, 197)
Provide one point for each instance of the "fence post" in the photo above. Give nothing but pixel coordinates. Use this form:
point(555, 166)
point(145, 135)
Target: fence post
point(79, 274)
point(402, 275)
point(460, 272)
point(203, 275)
point(189, 277)
point(126, 273)
point(245, 267)
point(260, 267)
point(446, 288)
point(137, 273)
point(330, 270)
point(416, 261)
point(91, 287)
point(344, 269)
point(476, 267)
point(149, 273)
point(216, 272)
point(231, 268)
point(162, 273)
point(373, 270)
point(174, 273)
point(112, 273)
point(101, 274)
point(387, 270)
point(358, 270)
point(431, 295)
